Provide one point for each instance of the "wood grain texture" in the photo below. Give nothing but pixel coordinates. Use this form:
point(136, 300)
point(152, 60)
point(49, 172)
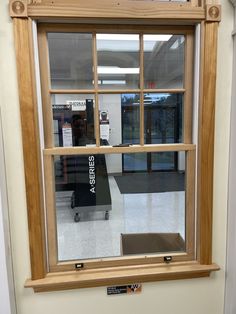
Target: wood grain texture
point(95, 78)
point(115, 26)
point(121, 261)
point(117, 9)
point(188, 85)
point(119, 276)
point(50, 210)
point(18, 8)
point(141, 86)
point(93, 2)
point(213, 12)
point(190, 203)
point(45, 85)
point(31, 150)
point(116, 150)
point(206, 143)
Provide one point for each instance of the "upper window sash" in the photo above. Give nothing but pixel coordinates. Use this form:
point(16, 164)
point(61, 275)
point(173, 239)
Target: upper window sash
point(181, 34)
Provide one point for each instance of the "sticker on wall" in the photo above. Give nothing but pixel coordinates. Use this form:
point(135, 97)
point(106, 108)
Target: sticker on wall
point(128, 289)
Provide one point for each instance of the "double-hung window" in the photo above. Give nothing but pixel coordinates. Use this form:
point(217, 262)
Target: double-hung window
point(117, 110)
point(119, 157)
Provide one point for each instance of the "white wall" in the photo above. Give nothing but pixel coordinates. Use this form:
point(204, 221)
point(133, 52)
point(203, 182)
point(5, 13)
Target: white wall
point(198, 296)
point(230, 301)
point(5, 305)
point(7, 295)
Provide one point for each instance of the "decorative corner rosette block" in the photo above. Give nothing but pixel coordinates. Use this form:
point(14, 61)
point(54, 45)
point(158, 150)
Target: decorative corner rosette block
point(18, 8)
point(213, 13)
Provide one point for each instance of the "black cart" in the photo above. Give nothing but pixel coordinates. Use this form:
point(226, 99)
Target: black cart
point(91, 188)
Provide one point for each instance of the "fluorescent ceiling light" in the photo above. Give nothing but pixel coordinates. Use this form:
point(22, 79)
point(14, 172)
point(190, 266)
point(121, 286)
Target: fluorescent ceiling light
point(117, 37)
point(116, 70)
point(113, 82)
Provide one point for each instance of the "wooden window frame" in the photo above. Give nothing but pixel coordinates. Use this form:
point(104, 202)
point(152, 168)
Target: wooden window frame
point(124, 11)
point(50, 151)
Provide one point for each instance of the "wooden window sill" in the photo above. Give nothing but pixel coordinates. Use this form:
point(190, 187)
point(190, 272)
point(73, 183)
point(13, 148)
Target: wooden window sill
point(120, 275)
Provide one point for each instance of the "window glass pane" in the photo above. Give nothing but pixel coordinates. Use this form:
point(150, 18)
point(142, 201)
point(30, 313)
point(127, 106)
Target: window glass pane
point(119, 119)
point(163, 118)
point(73, 119)
point(71, 60)
point(164, 61)
point(134, 162)
point(164, 161)
point(118, 61)
point(103, 212)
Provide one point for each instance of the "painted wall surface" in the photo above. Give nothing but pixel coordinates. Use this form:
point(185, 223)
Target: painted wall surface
point(198, 296)
point(230, 301)
point(6, 279)
point(5, 306)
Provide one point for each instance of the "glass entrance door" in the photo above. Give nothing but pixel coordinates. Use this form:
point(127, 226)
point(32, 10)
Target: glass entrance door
point(131, 135)
point(162, 124)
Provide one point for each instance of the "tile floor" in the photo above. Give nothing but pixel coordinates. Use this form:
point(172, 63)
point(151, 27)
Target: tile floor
point(95, 237)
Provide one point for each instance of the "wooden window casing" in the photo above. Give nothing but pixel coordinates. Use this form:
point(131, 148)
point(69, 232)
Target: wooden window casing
point(44, 277)
point(51, 151)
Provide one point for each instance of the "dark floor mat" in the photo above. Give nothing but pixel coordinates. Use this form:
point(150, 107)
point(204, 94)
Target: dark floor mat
point(154, 182)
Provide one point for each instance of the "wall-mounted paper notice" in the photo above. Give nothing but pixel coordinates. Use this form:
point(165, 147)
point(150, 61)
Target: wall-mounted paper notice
point(104, 131)
point(77, 105)
point(67, 134)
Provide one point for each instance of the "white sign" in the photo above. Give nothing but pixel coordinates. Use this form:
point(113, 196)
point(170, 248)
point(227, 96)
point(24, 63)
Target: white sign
point(77, 105)
point(67, 134)
point(104, 131)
